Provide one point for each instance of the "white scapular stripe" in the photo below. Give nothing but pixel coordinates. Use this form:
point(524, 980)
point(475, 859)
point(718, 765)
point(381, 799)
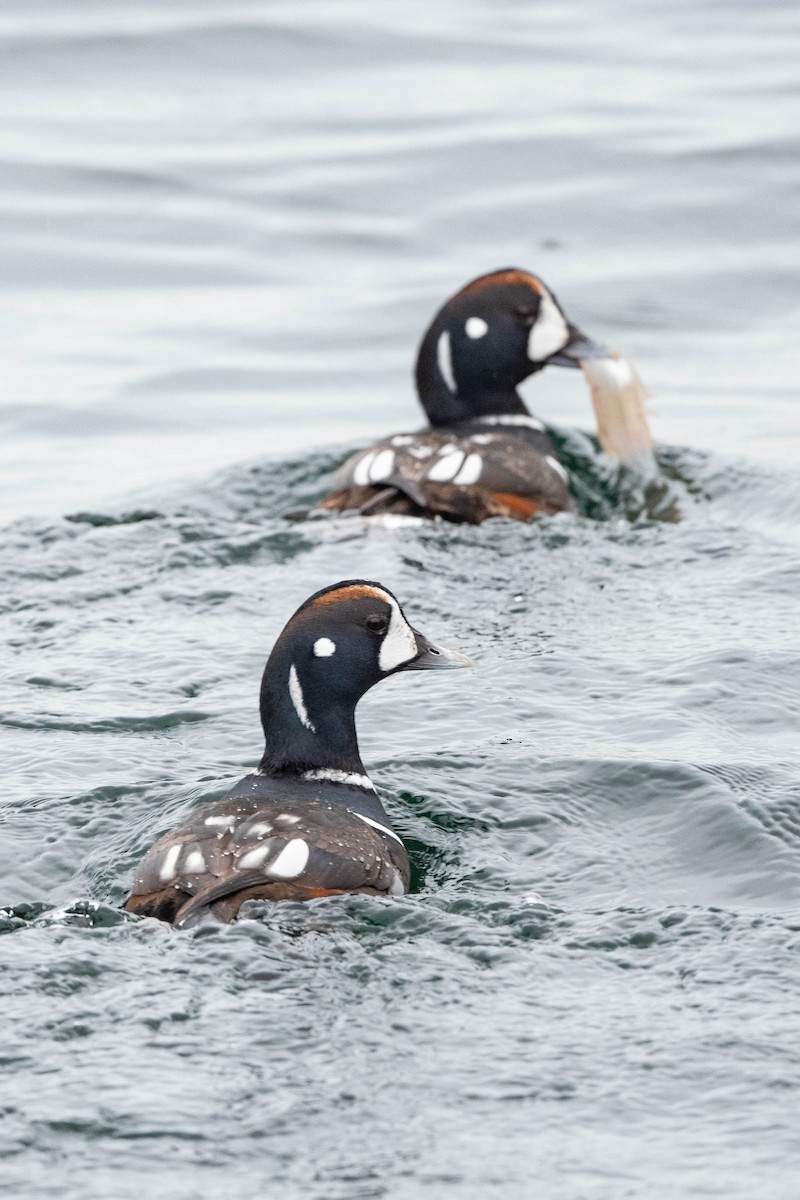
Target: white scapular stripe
point(376, 825)
point(444, 358)
point(332, 775)
point(556, 466)
point(476, 327)
point(290, 862)
point(399, 644)
point(324, 647)
point(471, 470)
point(549, 332)
point(296, 693)
point(447, 466)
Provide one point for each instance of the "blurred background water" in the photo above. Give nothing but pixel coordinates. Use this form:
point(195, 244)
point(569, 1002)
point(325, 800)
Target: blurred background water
point(223, 228)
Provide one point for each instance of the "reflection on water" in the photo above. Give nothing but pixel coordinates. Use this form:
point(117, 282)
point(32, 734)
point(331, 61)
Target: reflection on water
point(224, 228)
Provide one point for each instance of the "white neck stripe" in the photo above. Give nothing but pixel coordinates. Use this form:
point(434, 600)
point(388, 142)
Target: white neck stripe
point(444, 358)
point(513, 419)
point(376, 825)
point(332, 775)
point(298, 700)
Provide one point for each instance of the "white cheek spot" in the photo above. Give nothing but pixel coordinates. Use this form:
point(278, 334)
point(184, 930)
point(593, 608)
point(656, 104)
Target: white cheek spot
point(169, 864)
point(290, 862)
point(399, 645)
point(471, 470)
point(476, 327)
point(298, 700)
point(382, 466)
point(444, 358)
point(556, 466)
point(253, 858)
point(324, 647)
point(447, 466)
point(194, 863)
point(361, 472)
point(549, 333)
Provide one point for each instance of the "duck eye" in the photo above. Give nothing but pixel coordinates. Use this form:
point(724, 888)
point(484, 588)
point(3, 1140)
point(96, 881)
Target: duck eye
point(526, 314)
point(377, 623)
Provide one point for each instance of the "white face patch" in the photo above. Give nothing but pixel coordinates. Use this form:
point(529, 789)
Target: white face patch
point(444, 358)
point(549, 333)
point(324, 647)
point(296, 693)
point(476, 327)
point(290, 862)
point(399, 644)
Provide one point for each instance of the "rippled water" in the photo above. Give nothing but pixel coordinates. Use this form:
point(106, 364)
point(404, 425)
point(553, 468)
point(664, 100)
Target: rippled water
point(223, 229)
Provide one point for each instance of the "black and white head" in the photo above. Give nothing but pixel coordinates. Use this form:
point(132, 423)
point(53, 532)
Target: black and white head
point(487, 339)
point(340, 643)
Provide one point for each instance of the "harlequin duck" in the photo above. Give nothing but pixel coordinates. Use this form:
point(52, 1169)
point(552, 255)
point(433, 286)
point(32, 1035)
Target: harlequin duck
point(484, 454)
point(308, 822)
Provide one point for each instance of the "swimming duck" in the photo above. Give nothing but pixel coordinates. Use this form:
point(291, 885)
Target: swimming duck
point(308, 822)
point(484, 454)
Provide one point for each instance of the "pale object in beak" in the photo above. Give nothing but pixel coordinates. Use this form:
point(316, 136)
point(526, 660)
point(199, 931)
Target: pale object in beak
point(434, 658)
point(618, 396)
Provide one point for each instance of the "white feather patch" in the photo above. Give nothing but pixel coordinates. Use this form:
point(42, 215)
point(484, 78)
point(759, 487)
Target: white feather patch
point(444, 358)
point(549, 333)
point(447, 466)
point(556, 466)
point(298, 700)
point(167, 869)
point(471, 470)
point(291, 861)
point(361, 471)
point(332, 775)
point(382, 466)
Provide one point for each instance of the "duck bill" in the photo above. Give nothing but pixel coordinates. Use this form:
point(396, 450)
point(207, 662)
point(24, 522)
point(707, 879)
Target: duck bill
point(434, 658)
point(577, 350)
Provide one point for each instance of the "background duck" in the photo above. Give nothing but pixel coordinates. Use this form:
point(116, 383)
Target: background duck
point(484, 454)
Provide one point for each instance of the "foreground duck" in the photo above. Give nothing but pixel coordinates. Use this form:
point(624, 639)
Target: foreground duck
point(308, 822)
point(484, 454)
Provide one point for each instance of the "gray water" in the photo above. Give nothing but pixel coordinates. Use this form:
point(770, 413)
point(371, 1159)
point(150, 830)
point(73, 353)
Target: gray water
point(223, 229)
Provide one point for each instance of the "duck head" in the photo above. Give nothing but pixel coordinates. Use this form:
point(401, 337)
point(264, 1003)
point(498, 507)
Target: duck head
point(487, 339)
point(341, 642)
